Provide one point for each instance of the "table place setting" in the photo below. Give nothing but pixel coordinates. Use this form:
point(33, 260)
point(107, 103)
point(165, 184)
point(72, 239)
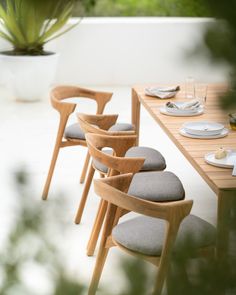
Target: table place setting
point(162, 92)
point(224, 158)
point(182, 108)
point(203, 130)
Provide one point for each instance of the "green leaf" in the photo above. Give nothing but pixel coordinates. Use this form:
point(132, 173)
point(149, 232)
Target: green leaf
point(6, 37)
point(59, 23)
point(10, 23)
point(63, 32)
point(29, 24)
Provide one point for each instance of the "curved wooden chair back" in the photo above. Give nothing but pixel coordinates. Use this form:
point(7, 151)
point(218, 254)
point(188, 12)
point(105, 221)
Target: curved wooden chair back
point(58, 98)
point(61, 93)
point(100, 124)
point(119, 141)
point(113, 190)
point(120, 145)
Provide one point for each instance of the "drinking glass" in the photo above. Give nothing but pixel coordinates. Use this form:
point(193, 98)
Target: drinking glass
point(201, 93)
point(232, 121)
point(189, 87)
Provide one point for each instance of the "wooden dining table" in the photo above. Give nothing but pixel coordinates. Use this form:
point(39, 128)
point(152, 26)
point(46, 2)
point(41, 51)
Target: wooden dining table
point(219, 179)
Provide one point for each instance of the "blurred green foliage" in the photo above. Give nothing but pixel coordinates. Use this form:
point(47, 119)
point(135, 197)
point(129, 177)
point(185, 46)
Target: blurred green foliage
point(33, 243)
point(220, 39)
point(146, 8)
point(32, 247)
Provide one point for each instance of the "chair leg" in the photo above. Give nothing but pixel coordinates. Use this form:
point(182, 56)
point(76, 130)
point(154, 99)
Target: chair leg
point(84, 195)
point(103, 249)
point(85, 168)
point(101, 259)
point(96, 228)
point(163, 266)
point(50, 172)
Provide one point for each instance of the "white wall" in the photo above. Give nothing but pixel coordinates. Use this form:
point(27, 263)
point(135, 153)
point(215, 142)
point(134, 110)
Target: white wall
point(125, 51)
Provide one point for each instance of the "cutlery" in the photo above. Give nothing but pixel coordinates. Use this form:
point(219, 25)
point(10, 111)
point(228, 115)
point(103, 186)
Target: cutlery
point(234, 168)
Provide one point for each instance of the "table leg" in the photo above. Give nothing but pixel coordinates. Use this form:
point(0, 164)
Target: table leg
point(135, 115)
point(226, 206)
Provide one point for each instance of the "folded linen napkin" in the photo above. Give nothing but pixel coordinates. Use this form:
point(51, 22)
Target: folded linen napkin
point(162, 92)
point(188, 105)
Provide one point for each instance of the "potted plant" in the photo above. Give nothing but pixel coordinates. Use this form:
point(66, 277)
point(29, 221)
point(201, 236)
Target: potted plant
point(28, 25)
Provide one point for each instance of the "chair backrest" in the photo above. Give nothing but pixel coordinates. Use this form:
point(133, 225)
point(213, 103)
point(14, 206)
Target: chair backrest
point(114, 191)
point(60, 93)
point(100, 124)
point(120, 145)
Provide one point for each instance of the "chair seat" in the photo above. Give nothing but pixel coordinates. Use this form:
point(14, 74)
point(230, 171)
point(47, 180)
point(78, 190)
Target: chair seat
point(145, 235)
point(74, 131)
point(153, 159)
point(122, 127)
point(158, 186)
point(99, 166)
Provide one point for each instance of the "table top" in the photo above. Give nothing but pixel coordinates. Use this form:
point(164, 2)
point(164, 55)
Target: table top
point(195, 149)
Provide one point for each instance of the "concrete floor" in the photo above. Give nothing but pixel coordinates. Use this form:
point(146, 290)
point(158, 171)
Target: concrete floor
point(27, 135)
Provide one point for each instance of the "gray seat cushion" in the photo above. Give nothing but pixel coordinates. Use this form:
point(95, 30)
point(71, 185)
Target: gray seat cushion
point(153, 159)
point(74, 131)
point(98, 165)
point(146, 234)
point(158, 186)
point(122, 127)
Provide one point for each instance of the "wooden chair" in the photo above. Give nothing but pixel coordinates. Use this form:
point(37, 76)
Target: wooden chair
point(73, 135)
point(156, 186)
point(153, 235)
point(101, 124)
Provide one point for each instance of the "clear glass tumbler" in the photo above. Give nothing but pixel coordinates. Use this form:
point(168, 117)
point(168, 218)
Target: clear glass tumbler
point(201, 93)
point(189, 88)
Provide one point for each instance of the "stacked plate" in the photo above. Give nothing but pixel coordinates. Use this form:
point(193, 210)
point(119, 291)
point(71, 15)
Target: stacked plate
point(180, 108)
point(203, 130)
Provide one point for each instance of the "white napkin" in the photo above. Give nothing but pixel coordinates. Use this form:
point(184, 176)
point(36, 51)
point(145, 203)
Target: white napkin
point(188, 105)
point(162, 92)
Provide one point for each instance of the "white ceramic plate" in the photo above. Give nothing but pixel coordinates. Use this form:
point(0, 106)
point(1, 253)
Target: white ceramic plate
point(164, 111)
point(227, 162)
point(181, 111)
point(223, 133)
point(203, 128)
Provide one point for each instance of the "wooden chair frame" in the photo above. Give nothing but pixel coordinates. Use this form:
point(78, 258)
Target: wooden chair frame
point(113, 191)
point(58, 98)
point(116, 164)
point(98, 124)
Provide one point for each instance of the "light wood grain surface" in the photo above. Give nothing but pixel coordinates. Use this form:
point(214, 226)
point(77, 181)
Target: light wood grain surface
point(219, 179)
point(195, 149)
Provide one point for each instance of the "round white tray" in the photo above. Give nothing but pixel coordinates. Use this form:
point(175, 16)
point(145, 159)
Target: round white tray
point(224, 132)
point(203, 128)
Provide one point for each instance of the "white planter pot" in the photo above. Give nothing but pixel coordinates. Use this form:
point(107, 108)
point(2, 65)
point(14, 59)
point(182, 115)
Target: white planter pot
point(28, 78)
